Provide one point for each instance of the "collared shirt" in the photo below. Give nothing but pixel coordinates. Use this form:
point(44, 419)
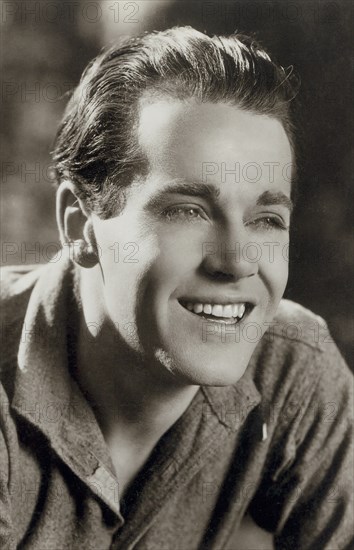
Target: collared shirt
point(276, 445)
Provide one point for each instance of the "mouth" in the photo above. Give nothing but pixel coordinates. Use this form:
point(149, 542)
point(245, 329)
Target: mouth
point(227, 314)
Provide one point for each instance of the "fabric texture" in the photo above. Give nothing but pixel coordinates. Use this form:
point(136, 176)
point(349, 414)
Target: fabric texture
point(276, 446)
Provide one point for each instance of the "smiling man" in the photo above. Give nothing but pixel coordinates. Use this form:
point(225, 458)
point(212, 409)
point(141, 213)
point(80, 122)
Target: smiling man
point(158, 392)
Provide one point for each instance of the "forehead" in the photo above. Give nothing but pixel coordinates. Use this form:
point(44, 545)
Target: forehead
point(180, 138)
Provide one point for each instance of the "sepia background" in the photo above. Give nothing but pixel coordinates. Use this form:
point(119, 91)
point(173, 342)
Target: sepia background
point(47, 44)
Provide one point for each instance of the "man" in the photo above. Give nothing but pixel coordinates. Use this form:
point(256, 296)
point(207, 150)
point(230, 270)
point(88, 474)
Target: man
point(158, 393)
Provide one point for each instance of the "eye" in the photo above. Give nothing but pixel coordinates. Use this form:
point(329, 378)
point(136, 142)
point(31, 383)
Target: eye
point(184, 213)
point(268, 223)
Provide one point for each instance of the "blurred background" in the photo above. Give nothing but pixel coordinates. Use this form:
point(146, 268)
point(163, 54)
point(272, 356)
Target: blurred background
point(47, 44)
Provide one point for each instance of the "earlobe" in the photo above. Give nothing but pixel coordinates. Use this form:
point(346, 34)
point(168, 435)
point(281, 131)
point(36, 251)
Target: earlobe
point(83, 253)
point(75, 227)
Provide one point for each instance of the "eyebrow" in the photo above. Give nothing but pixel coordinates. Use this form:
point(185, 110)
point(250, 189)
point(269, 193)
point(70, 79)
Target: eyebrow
point(275, 198)
point(210, 192)
point(192, 189)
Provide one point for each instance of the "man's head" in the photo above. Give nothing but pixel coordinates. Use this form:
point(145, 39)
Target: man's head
point(97, 146)
point(177, 147)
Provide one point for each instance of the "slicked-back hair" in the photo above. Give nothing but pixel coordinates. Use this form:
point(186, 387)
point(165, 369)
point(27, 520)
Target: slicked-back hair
point(97, 146)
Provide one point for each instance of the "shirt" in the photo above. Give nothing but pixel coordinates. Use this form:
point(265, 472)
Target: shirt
point(276, 445)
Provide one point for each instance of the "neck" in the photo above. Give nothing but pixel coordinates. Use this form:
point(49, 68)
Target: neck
point(128, 397)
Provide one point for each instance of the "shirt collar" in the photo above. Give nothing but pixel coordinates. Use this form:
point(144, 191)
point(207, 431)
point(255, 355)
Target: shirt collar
point(232, 404)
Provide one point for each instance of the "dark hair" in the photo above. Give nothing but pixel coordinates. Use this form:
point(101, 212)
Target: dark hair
point(96, 145)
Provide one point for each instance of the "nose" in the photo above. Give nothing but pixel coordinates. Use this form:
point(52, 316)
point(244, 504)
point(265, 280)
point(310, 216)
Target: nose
point(231, 255)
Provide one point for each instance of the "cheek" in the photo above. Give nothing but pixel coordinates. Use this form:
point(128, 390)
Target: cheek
point(121, 262)
point(156, 259)
point(179, 251)
point(275, 266)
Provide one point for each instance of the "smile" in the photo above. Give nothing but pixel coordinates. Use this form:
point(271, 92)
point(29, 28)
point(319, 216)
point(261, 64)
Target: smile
point(226, 314)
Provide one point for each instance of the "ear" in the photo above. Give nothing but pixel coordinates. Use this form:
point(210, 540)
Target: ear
point(75, 225)
point(72, 215)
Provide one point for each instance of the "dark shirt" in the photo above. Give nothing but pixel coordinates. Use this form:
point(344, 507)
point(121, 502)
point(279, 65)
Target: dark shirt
point(276, 445)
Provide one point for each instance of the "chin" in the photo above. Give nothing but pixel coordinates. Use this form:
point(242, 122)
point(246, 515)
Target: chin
point(226, 376)
point(202, 372)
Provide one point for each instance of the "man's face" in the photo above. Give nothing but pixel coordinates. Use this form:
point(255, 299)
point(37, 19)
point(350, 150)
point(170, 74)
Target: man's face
point(196, 264)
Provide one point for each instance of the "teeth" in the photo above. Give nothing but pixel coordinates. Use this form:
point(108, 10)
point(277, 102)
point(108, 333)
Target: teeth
point(217, 311)
point(228, 311)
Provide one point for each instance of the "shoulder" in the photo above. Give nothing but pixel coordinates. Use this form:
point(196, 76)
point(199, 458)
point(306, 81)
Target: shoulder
point(298, 331)
point(307, 408)
point(297, 358)
point(296, 324)
point(14, 276)
point(17, 283)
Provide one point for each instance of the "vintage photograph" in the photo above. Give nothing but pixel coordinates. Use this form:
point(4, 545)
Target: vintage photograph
point(176, 275)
